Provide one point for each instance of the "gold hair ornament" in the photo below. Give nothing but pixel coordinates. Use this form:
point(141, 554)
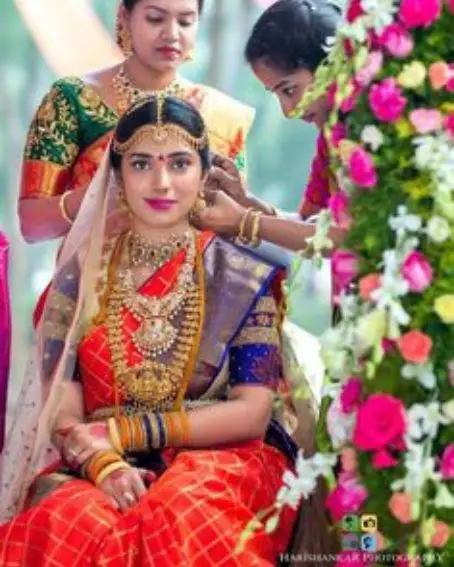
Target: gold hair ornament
point(159, 133)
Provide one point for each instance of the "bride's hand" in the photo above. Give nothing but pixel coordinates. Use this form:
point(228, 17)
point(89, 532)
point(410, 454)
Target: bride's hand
point(126, 486)
point(222, 215)
point(224, 176)
point(82, 441)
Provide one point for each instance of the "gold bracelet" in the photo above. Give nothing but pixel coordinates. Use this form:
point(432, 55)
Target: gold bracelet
point(255, 230)
point(62, 205)
point(243, 225)
point(114, 436)
point(108, 470)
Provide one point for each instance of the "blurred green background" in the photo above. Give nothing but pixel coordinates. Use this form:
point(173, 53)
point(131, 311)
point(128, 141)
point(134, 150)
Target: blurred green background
point(279, 151)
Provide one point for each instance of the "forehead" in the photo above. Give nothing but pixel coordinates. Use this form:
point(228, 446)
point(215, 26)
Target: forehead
point(174, 6)
point(146, 143)
point(271, 76)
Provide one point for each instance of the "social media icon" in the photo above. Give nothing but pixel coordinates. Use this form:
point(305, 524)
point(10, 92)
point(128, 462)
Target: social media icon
point(369, 523)
point(350, 542)
point(369, 543)
point(350, 523)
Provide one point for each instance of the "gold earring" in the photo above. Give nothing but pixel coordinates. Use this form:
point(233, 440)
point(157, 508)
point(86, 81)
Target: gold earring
point(123, 37)
point(199, 205)
point(189, 55)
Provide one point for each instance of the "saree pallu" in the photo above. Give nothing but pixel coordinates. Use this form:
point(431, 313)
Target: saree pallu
point(5, 333)
point(193, 516)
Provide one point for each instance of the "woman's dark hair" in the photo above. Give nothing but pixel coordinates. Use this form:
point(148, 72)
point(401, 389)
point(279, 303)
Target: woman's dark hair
point(291, 34)
point(174, 111)
point(129, 4)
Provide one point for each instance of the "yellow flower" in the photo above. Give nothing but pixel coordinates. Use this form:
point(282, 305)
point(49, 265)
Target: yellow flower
point(444, 308)
point(417, 189)
point(447, 107)
point(403, 128)
point(371, 328)
point(412, 75)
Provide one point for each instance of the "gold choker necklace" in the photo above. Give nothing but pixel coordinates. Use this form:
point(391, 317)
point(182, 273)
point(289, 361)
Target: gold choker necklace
point(144, 254)
point(128, 94)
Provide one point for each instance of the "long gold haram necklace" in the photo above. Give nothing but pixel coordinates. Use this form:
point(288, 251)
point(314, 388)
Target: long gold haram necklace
point(151, 385)
point(127, 94)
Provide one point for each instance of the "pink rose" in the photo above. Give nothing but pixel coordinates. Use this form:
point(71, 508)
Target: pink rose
point(417, 271)
point(368, 284)
point(361, 169)
point(351, 395)
point(349, 460)
point(441, 535)
point(371, 68)
point(338, 133)
point(426, 120)
point(386, 100)
point(338, 205)
point(345, 268)
point(384, 460)
point(419, 13)
point(450, 83)
point(400, 505)
point(349, 103)
point(449, 124)
point(380, 423)
point(347, 498)
point(415, 347)
point(451, 6)
point(397, 41)
point(447, 463)
point(354, 11)
point(438, 74)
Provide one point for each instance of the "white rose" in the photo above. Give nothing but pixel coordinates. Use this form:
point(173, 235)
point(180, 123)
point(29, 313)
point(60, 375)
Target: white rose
point(372, 136)
point(438, 229)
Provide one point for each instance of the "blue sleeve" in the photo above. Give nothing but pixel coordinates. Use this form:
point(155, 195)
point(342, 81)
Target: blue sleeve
point(255, 353)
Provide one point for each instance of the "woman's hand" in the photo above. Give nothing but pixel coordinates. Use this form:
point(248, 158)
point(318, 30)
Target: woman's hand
point(222, 215)
point(224, 176)
point(82, 441)
point(126, 486)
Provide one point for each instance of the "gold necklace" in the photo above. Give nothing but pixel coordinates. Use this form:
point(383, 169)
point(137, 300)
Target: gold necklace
point(127, 94)
point(154, 256)
point(156, 334)
point(152, 385)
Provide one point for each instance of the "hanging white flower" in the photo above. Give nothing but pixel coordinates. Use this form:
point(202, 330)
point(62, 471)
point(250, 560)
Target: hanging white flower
point(444, 498)
point(438, 229)
point(424, 420)
point(381, 13)
point(405, 222)
point(423, 373)
point(340, 425)
point(372, 136)
point(419, 467)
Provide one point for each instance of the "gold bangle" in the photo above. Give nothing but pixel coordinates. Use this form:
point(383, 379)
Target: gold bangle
point(255, 230)
point(114, 436)
point(109, 469)
point(63, 210)
point(243, 225)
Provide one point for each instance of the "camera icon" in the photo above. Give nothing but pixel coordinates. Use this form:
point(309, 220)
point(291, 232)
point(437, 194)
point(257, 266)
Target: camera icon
point(369, 523)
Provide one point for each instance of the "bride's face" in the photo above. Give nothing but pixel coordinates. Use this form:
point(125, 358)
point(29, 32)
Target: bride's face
point(161, 182)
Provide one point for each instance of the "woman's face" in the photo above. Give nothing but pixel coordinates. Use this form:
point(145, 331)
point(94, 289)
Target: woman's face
point(290, 87)
point(161, 183)
point(163, 32)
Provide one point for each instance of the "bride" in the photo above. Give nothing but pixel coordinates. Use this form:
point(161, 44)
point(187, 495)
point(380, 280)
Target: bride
point(145, 432)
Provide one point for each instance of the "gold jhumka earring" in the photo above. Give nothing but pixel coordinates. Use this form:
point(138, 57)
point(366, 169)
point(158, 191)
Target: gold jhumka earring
point(123, 36)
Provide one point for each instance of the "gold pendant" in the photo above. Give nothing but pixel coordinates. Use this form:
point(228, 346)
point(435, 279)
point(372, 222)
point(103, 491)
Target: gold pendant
point(155, 335)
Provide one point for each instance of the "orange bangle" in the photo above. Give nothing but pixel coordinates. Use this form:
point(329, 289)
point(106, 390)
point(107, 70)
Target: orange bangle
point(63, 209)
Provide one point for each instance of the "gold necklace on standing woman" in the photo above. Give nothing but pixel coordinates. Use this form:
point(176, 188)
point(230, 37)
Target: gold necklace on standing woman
point(127, 94)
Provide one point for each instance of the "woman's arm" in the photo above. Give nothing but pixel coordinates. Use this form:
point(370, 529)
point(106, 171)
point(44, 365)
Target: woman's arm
point(223, 216)
point(51, 151)
point(41, 218)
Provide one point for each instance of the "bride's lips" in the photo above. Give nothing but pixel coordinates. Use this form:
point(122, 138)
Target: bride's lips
point(160, 204)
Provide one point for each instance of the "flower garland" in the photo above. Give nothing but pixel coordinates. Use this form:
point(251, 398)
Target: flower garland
point(389, 415)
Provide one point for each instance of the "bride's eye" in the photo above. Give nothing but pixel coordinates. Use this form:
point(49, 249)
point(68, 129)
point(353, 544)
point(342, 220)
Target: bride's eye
point(289, 91)
point(140, 164)
point(180, 164)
